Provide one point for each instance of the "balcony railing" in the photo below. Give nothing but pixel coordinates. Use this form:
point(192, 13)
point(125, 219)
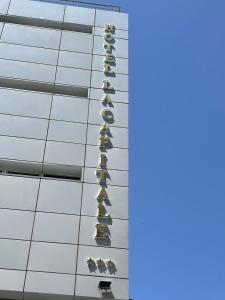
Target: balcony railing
point(85, 4)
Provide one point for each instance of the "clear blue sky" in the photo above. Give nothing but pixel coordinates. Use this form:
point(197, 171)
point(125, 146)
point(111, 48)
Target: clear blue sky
point(177, 149)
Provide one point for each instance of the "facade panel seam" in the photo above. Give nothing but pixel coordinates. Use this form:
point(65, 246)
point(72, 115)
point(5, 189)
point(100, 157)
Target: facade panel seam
point(42, 172)
point(92, 58)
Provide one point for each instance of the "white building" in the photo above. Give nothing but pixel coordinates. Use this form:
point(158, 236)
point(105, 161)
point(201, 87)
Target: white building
point(63, 151)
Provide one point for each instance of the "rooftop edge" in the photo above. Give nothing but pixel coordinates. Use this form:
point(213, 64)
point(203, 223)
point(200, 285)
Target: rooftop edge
point(78, 3)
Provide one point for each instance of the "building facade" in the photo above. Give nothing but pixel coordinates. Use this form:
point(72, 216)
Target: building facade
point(64, 151)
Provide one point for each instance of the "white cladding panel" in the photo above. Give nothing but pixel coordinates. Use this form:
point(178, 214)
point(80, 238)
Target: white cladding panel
point(61, 228)
point(75, 60)
point(120, 112)
point(27, 71)
point(67, 132)
point(76, 41)
point(51, 284)
point(119, 136)
point(118, 82)
point(118, 178)
point(117, 158)
point(18, 197)
point(52, 192)
point(23, 127)
point(118, 230)
point(86, 287)
point(69, 109)
point(121, 65)
point(24, 103)
point(21, 149)
point(31, 36)
point(64, 153)
point(119, 258)
point(120, 48)
point(79, 15)
point(120, 20)
point(11, 284)
point(14, 254)
point(28, 54)
point(70, 76)
point(36, 9)
point(119, 34)
point(52, 257)
point(117, 204)
point(16, 224)
point(4, 5)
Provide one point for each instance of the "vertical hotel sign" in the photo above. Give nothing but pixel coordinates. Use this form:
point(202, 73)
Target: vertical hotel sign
point(105, 144)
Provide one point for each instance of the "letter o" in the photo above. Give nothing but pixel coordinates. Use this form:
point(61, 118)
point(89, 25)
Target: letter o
point(109, 37)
